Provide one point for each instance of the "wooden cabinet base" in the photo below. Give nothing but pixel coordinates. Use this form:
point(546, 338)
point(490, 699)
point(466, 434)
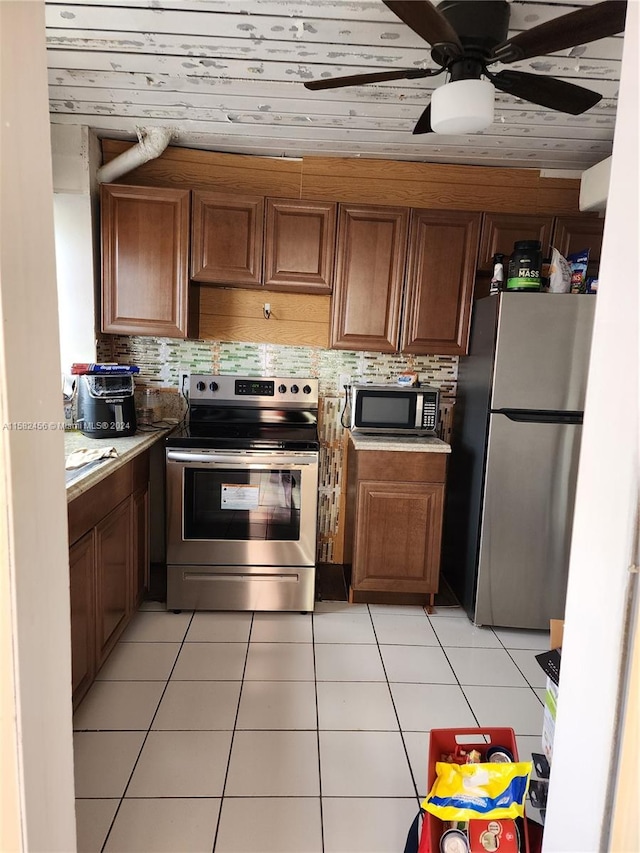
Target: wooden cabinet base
point(108, 557)
point(393, 533)
point(359, 596)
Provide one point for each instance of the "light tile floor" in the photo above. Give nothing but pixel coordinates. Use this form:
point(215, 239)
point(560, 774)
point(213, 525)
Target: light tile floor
point(287, 733)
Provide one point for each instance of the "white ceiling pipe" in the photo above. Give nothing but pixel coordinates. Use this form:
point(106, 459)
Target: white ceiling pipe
point(152, 142)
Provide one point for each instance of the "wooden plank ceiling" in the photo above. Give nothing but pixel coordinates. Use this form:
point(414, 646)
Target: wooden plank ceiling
point(227, 75)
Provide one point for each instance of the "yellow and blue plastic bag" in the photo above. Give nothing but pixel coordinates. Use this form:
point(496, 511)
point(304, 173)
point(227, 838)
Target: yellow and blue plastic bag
point(471, 791)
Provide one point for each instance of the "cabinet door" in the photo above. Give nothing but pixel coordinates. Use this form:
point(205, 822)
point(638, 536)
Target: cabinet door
point(371, 253)
point(145, 274)
point(501, 230)
point(140, 572)
point(397, 538)
point(299, 245)
point(443, 247)
point(574, 233)
point(113, 577)
point(82, 594)
point(227, 234)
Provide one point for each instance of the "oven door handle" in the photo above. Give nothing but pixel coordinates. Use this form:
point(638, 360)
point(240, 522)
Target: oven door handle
point(241, 461)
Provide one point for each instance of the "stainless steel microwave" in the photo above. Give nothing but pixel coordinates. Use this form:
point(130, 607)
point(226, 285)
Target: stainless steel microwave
point(394, 409)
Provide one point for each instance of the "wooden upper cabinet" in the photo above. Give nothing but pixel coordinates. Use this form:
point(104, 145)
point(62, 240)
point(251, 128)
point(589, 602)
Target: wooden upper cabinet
point(501, 230)
point(299, 245)
point(443, 248)
point(367, 293)
point(226, 240)
point(145, 260)
point(574, 233)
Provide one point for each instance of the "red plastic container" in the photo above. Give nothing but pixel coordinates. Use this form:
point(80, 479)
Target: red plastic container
point(448, 741)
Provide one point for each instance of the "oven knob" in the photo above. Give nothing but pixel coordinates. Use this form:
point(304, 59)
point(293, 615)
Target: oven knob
point(307, 389)
point(294, 389)
point(213, 386)
point(201, 386)
point(282, 389)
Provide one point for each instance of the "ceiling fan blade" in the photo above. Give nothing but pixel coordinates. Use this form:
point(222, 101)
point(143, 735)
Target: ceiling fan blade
point(374, 77)
point(423, 124)
point(579, 27)
point(425, 20)
point(546, 91)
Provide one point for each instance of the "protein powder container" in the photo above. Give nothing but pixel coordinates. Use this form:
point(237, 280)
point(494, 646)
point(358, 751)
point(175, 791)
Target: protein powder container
point(525, 266)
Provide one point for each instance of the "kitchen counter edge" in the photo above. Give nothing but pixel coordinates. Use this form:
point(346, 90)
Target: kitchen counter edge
point(127, 448)
point(403, 443)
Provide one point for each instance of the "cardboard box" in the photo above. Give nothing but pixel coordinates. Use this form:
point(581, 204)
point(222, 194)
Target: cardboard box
point(551, 696)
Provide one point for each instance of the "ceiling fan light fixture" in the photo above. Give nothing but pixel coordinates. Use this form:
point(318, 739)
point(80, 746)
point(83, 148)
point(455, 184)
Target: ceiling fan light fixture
point(462, 106)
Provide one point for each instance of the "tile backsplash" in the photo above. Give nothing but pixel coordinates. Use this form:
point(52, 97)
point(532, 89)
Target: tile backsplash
point(161, 360)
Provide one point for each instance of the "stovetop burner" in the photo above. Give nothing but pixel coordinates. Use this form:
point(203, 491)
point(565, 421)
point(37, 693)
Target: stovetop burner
point(245, 437)
point(250, 414)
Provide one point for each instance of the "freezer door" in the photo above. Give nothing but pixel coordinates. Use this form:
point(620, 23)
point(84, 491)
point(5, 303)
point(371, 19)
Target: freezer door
point(527, 519)
point(542, 351)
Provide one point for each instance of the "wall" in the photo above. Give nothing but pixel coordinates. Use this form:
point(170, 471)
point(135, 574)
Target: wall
point(606, 515)
point(73, 150)
point(37, 759)
point(161, 359)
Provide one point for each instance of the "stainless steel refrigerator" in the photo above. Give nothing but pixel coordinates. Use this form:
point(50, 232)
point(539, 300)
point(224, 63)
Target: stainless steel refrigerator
point(514, 461)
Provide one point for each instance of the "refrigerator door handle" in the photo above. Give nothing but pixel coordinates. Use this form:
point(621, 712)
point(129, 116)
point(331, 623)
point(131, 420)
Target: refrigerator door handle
point(525, 416)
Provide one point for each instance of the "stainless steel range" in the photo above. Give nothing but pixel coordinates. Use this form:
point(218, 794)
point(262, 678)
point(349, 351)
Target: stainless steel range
point(242, 491)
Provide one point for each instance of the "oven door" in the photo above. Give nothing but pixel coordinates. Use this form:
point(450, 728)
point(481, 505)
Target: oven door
point(241, 507)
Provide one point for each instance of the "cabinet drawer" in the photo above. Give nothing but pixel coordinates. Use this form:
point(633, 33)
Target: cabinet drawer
point(140, 471)
point(401, 466)
point(85, 511)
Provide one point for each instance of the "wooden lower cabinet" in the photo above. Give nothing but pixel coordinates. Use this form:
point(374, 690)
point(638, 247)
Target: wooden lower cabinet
point(82, 593)
point(140, 573)
point(108, 566)
point(114, 564)
point(395, 505)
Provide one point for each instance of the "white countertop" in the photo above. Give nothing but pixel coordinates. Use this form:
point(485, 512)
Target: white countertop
point(81, 479)
point(405, 443)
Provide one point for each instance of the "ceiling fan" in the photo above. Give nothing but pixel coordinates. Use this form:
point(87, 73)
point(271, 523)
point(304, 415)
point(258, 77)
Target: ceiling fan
point(467, 36)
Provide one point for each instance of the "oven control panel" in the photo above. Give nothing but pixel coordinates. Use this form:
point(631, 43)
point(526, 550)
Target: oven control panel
point(271, 391)
point(255, 387)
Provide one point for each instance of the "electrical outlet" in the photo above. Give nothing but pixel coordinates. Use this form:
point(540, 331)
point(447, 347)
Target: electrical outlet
point(343, 379)
point(184, 374)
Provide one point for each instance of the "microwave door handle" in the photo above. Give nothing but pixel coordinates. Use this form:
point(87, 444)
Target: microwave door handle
point(419, 408)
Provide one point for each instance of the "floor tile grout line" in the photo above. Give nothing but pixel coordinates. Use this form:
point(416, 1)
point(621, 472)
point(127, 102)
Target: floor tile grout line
point(148, 732)
point(315, 645)
point(508, 651)
point(455, 675)
point(395, 710)
point(315, 686)
point(233, 735)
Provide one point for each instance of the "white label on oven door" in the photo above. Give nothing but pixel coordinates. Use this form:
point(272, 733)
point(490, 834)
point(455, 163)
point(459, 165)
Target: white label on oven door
point(239, 497)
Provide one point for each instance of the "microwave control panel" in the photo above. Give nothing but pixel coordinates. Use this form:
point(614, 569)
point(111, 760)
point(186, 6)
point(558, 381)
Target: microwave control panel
point(429, 412)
